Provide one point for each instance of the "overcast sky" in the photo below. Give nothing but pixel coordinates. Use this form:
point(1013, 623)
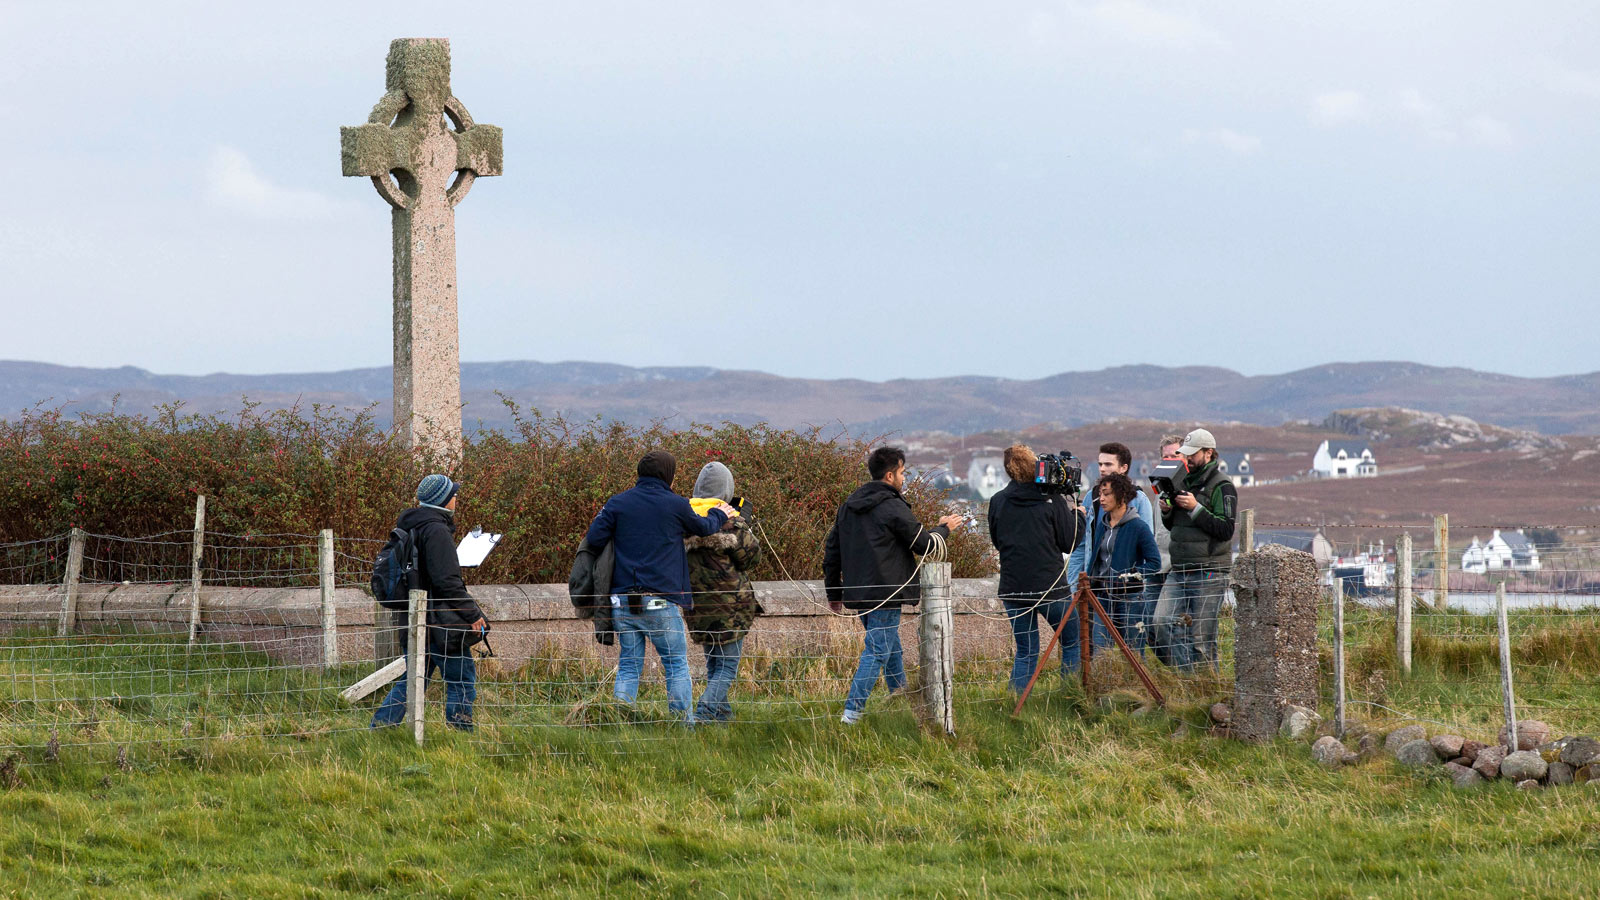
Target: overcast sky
point(867, 190)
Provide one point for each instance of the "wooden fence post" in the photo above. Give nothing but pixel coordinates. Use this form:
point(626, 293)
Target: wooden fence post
point(194, 574)
point(69, 603)
point(1338, 657)
point(1441, 561)
point(1247, 539)
point(1402, 604)
point(936, 656)
point(1505, 665)
point(416, 658)
point(330, 621)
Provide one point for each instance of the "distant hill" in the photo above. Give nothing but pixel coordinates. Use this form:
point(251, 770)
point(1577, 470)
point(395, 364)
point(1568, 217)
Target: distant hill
point(1561, 405)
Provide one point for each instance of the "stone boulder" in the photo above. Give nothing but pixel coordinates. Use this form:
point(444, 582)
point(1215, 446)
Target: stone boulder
point(1470, 749)
point(1530, 734)
point(1559, 773)
point(1221, 713)
point(1329, 751)
point(1586, 774)
point(1551, 750)
point(1417, 754)
point(1527, 784)
point(1298, 723)
point(1401, 736)
point(1462, 776)
point(1580, 752)
point(1367, 746)
point(1523, 765)
point(1448, 746)
point(1488, 761)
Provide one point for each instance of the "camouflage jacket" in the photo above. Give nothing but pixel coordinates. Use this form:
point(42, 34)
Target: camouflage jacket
point(719, 565)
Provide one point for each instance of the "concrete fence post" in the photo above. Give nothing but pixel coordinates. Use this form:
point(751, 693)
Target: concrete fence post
point(1247, 533)
point(194, 568)
point(1441, 561)
point(330, 620)
point(936, 647)
point(1338, 657)
point(1275, 649)
point(1402, 604)
point(69, 601)
point(1506, 692)
point(416, 659)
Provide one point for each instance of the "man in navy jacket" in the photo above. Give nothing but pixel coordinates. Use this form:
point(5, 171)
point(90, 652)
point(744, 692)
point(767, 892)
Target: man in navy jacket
point(646, 526)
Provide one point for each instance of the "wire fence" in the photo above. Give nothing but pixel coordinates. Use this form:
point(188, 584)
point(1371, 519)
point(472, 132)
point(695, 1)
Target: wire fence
point(130, 645)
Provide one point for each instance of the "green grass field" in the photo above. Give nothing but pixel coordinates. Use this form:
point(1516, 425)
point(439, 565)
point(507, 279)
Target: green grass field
point(240, 780)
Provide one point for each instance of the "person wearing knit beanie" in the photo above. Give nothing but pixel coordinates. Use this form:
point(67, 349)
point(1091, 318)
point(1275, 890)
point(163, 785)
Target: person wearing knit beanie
point(436, 491)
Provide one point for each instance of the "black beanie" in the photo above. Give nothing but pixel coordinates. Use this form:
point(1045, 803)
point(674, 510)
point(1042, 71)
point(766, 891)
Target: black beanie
point(658, 464)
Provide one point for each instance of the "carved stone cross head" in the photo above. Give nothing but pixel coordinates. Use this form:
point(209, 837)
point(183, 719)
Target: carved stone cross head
point(407, 148)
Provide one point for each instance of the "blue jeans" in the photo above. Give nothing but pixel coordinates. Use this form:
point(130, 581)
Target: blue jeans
point(1191, 625)
point(1024, 616)
point(880, 655)
point(722, 667)
point(662, 628)
point(460, 690)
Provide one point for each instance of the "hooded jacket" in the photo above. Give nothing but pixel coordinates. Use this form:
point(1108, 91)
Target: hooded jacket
point(1031, 530)
point(451, 610)
point(867, 562)
point(647, 524)
point(1133, 549)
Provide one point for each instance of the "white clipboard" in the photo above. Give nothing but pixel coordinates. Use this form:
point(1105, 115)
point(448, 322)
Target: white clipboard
point(475, 547)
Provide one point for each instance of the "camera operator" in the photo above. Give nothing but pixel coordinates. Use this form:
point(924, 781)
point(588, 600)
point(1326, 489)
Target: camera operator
point(1032, 530)
point(1123, 556)
point(1201, 520)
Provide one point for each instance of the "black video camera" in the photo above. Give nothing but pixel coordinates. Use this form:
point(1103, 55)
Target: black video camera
point(1059, 473)
point(1168, 476)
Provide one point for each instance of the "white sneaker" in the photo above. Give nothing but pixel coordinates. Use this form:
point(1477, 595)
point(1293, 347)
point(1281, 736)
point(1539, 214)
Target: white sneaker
point(851, 716)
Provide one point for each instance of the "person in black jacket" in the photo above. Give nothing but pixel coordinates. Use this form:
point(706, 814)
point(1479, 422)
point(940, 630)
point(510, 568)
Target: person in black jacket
point(454, 621)
point(867, 566)
point(1032, 531)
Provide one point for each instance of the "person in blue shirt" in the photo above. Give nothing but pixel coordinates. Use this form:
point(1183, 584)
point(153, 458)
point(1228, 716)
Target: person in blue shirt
point(646, 526)
point(1114, 459)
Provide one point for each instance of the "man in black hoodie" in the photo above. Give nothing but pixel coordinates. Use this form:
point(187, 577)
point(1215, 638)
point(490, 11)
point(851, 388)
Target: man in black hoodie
point(867, 566)
point(1033, 531)
point(454, 621)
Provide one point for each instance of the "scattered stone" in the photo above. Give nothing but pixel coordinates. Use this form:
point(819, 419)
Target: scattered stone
point(1367, 746)
point(1585, 775)
point(1462, 776)
point(1530, 734)
point(1221, 713)
point(1523, 765)
point(1550, 751)
point(1470, 749)
point(1448, 746)
point(1401, 736)
point(1350, 759)
point(1298, 723)
point(1462, 761)
point(1559, 773)
point(1527, 784)
point(1417, 753)
point(1329, 752)
point(1580, 752)
point(1488, 761)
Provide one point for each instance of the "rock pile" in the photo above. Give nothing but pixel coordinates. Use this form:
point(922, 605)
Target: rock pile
point(1535, 763)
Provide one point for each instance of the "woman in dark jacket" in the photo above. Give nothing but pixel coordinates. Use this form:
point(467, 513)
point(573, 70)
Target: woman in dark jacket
point(1124, 553)
point(1032, 531)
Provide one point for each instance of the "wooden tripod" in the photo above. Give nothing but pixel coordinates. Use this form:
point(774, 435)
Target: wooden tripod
point(1083, 603)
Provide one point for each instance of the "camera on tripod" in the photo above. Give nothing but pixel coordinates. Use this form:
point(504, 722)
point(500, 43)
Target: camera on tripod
point(1168, 476)
point(1059, 473)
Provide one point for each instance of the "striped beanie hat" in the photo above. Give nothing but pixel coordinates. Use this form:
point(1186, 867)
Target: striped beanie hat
point(436, 490)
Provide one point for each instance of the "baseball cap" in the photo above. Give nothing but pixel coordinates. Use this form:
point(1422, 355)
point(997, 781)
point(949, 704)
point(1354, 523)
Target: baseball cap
point(1198, 439)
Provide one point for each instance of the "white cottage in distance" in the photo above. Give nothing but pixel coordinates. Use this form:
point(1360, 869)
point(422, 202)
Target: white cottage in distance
point(987, 475)
point(1505, 550)
point(1344, 459)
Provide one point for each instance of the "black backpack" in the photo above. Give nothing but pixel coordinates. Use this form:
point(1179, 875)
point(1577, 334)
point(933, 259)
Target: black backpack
point(394, 572)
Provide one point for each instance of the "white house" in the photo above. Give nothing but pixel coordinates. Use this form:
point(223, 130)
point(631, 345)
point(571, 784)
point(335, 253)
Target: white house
point(1237, 467)
point(1343, 459)
point(1505, 550)
point(987, 475)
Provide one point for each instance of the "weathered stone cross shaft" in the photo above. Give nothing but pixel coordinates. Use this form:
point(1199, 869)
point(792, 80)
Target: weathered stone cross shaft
point(423, 165)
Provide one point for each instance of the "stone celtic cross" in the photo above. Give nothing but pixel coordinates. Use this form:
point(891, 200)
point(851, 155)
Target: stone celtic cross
point(422, 151)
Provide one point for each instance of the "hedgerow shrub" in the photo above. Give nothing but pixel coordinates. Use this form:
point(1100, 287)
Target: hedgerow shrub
point(294, 472)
